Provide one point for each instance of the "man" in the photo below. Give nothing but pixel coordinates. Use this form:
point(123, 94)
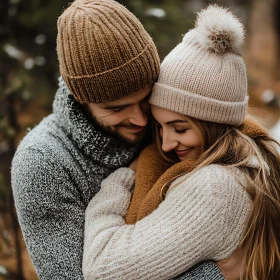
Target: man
point(108, 64)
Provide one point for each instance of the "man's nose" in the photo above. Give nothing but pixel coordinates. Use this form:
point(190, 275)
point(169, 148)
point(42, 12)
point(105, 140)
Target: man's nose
point(138, 116)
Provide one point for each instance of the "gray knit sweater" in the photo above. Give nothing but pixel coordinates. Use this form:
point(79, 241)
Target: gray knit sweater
point(56, 170)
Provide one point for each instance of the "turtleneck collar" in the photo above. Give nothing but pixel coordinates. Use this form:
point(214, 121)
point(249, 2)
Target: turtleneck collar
point(104, 149)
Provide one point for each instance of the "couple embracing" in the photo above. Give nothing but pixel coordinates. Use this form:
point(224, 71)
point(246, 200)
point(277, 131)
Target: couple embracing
point(97, 200)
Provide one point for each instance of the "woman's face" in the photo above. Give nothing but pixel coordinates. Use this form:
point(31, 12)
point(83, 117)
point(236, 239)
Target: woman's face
point(178, 134)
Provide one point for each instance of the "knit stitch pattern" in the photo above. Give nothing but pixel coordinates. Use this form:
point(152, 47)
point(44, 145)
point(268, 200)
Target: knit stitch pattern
point(199, 82)
point(104, 51)
point(206, 271)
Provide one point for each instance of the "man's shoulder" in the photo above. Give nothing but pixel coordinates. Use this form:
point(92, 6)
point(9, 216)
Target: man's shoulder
point(46, 155)
point(46, 138)
point(48, 149)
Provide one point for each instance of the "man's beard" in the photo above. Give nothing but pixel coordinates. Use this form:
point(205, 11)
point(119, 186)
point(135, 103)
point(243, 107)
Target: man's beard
point(113, 131)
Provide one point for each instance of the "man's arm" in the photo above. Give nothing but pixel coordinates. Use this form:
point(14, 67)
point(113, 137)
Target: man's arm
point(50, 214)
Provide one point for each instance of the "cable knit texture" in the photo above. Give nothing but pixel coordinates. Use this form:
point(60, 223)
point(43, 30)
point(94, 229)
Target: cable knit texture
point(56, 170)
point(202, 218)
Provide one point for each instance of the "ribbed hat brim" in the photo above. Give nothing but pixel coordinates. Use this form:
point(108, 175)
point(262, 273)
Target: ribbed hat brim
point(198, 106)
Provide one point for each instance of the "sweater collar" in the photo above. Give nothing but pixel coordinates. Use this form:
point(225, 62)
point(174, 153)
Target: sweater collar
point(104, 149)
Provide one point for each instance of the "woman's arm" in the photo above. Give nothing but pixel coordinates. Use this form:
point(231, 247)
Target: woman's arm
point(197, 221)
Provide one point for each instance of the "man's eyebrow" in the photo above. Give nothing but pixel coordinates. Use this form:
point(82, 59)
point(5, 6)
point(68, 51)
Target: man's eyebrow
point(115, 106)
point(177, 121)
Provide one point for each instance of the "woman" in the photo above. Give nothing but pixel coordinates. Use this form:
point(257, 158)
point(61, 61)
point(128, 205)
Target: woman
point(225, 191)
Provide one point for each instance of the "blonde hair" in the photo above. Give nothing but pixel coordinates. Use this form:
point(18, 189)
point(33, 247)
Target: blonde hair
point(229, 146)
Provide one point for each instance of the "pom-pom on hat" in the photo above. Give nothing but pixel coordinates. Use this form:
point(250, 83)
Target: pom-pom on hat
point(204, 77)
point(104, 51)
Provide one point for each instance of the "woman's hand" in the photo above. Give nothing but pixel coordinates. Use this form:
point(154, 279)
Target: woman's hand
point(231, 267)
point(133, 165)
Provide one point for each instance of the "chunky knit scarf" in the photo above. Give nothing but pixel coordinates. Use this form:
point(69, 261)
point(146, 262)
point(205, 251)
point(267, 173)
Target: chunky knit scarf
point(105, 150)
point(154, 174)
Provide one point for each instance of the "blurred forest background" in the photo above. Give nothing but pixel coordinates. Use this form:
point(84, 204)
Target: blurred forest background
point(29, 73)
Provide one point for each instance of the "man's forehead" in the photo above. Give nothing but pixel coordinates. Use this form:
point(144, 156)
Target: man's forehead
point(131, 99)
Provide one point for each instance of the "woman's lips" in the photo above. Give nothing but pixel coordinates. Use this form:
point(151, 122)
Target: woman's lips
point(182, 153)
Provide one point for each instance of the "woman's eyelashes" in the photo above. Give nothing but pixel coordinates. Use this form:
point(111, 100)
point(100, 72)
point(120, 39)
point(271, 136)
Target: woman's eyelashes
point(180, 131)
point(175, 129)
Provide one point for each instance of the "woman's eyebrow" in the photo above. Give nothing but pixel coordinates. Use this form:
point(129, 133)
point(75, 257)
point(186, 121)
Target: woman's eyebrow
point(177, 121)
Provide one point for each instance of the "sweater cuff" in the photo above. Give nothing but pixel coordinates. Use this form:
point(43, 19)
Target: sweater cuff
point(123, 176)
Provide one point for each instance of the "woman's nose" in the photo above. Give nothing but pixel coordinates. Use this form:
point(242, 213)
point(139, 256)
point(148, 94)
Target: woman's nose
point(168, 143)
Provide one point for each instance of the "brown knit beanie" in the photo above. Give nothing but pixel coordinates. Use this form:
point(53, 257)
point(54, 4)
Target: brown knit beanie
point(104, 51)
point(204, 77)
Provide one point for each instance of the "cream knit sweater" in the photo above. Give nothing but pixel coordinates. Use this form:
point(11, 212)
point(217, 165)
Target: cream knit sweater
point(202, 218)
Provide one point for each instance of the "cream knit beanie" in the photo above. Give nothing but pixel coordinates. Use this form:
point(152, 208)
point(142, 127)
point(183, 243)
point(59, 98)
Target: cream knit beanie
point(104, 51)
point(204, 77)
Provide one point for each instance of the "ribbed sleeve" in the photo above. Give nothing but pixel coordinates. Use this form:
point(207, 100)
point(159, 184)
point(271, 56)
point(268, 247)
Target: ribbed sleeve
point(202, 218)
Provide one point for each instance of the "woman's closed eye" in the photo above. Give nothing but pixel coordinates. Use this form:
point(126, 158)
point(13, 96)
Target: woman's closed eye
point(181, 131)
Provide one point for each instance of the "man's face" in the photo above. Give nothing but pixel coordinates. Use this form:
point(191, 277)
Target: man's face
point(124, 118)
